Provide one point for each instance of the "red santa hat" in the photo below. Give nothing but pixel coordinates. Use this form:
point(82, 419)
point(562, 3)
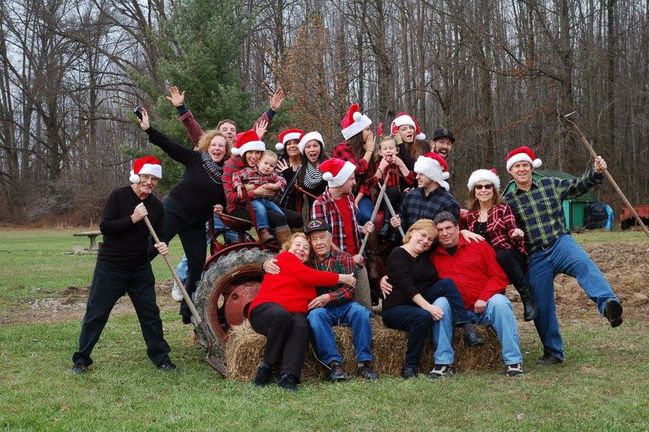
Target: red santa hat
point(405, 119)
point(523, 154)
point(145, 165)
point(484, 175)
point(434, 167)
point(287, 135)
point(315, 135)
point(248, 141)
point(336, 171)
point(354, 122)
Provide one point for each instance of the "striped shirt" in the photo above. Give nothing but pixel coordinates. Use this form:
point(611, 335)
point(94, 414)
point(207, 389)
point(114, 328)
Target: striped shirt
point(416, 205)
point(539, 211)
point(340, 262)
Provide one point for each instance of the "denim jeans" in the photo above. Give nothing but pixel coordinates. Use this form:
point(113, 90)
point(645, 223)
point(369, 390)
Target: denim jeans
point(500, 315)
point(564, 256)
point(353, 314)
point(420, 324)
point(364, 212)
point(262, 206)
point(109, 283)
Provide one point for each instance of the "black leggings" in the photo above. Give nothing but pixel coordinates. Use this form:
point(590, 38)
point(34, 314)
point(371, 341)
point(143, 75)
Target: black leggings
point(514, 263)
point(286, 336)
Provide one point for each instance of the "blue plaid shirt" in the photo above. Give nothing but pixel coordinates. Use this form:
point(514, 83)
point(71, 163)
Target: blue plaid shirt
point(539, 211)
point(416, 205)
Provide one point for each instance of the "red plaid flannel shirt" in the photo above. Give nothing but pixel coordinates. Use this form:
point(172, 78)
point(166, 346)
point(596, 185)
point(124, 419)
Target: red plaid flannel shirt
point(392, 176)
point(500, 225)
point(345, 152)
point(324, 207)
point(339, 262)
point(231, 166)
point(251, 176)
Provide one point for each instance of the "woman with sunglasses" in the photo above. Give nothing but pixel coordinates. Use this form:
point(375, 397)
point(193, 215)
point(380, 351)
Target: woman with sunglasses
point(491, 217)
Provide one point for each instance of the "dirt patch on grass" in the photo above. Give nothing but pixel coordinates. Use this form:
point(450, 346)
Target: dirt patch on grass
point(626, 265)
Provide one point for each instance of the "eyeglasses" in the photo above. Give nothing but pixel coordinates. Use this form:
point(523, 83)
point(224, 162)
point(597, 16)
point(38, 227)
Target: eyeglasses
point(485, 186)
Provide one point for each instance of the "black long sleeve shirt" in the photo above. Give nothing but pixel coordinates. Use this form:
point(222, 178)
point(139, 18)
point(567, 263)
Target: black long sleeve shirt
point(408, 276)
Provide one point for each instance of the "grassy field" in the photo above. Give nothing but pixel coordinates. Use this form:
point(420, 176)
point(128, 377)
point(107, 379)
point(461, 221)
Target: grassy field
point(601, 387)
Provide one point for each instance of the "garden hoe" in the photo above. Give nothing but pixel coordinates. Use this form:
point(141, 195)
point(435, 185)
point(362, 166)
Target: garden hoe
point(199, 324)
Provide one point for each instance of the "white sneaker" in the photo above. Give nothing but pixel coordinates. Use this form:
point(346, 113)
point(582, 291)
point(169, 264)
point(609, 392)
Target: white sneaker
point(176, 294)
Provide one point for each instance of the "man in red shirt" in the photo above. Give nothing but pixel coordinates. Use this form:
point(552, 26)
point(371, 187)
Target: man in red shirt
point(481, 283)
point(336, 207)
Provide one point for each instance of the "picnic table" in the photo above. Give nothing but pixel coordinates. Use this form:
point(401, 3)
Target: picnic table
point(92, 235)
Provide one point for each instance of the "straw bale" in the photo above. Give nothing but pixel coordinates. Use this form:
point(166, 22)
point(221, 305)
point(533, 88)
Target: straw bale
point(244, 352)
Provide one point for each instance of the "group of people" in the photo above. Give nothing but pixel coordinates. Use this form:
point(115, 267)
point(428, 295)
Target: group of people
point(450, 270)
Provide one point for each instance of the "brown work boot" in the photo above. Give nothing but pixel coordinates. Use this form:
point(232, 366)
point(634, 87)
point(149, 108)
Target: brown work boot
point(265, 236)
point(282, 234)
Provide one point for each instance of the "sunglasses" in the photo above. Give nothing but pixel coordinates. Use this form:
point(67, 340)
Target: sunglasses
point(486, 186)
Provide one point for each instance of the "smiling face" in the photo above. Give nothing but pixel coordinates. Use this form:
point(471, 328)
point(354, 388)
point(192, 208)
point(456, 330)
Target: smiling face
point(388, 149)
point(407, 133)
point(484, 192)
point(426, 183)
point(421, 240)
point(448, 234)
point(146, 186)
point(291, 148)
point(312, 151)
point(521, 172)
point(321, 243)
point(442, 146)
point(217, 149)
point(229, 131)
point(300, 248)
point(252, 157)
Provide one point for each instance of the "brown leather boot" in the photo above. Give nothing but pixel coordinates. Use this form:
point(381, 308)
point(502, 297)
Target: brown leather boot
point(265, 236)
point(282, 234)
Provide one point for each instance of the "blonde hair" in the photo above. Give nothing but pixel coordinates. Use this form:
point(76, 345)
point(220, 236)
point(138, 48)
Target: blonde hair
point(270, 154)
point(287, 244)
point(423, 225)
point(206, 139)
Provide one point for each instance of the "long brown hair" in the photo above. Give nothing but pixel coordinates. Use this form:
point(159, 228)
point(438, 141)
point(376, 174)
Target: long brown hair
point(472, 202)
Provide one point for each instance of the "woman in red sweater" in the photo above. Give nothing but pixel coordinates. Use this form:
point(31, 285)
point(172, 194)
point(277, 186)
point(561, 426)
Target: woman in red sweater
point(280, 307)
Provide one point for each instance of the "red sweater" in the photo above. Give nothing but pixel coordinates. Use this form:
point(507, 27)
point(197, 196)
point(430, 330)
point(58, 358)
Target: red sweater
point(294, 286)
point(474, 270)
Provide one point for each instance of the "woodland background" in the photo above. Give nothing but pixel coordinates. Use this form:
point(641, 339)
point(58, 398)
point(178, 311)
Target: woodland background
point(497, 72)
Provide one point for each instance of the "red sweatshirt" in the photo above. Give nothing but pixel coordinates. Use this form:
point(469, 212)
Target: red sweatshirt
point(294, 286)
point(474, 270)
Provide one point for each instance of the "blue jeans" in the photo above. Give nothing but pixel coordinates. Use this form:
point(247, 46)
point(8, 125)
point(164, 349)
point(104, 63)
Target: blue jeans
point(364, 212)
point(353, 314)
point(420, 324)
point(500, 315)
point(262, 206)
point(564, 256)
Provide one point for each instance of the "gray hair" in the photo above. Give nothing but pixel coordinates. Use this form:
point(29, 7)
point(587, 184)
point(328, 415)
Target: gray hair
point(444, 217)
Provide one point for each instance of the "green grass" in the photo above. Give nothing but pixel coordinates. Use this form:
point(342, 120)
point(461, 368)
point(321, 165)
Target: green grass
point(602, 385)
point(40, 263)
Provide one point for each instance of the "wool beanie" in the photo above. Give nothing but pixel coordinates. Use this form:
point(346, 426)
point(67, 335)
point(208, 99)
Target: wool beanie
point(354, 122)
point(308, 137)
point(336, 171)
point(287, 135)
point(145, 165)
point(523, 154)
point(248, 141)
point(403, 119)
point(434, 167)
point(484, 175)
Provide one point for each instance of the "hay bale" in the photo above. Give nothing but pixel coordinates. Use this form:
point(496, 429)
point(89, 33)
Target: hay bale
point(244, 351)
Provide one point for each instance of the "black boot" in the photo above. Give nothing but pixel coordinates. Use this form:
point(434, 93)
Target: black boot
point(471, 338)
point(529, 303)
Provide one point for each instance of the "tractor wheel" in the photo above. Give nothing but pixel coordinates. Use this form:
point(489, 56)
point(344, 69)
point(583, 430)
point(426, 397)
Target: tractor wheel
point(226, 288)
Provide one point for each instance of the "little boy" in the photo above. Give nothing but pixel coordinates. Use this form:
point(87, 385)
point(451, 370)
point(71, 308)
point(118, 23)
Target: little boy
point(392, 171)
point(249, 179)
